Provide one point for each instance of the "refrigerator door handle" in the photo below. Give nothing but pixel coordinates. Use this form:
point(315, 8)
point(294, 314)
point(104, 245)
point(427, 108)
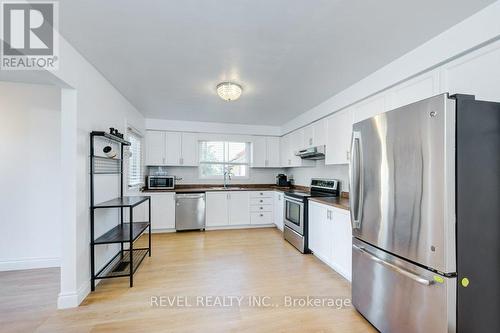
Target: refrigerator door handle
point(395, 268)
point(356, 180)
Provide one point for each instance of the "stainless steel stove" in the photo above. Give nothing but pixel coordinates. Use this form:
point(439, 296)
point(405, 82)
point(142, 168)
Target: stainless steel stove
point(296, 210)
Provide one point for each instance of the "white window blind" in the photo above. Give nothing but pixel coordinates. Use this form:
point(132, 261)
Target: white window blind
point(135, 176)
point(217, 157)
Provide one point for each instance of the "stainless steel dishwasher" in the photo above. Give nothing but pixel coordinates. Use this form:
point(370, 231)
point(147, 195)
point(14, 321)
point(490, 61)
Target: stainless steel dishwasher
point(190, 211)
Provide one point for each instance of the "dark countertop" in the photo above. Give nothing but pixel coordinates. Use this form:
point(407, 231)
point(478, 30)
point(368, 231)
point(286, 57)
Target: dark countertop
point(215, 188)
point(338, 202)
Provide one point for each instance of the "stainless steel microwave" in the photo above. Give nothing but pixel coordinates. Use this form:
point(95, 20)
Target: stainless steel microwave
point(161, 182)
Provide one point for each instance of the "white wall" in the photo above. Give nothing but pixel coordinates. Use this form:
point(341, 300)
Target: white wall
point(302, 176)
point(450, 47)
point(208, 127)
point(189, 175)
point(30, 183)
point(465, 59)
point(88, 103)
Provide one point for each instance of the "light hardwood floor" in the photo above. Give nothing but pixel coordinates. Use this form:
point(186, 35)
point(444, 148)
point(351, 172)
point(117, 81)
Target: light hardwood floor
point(253, 262)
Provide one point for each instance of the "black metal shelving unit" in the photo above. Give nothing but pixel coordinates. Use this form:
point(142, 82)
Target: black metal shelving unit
point(126, 262)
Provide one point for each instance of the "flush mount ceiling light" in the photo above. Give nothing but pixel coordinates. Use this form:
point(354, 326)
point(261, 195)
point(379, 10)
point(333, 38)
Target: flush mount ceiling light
point(229, 91)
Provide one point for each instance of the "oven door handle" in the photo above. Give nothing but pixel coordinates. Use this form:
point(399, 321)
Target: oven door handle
point(299, 202)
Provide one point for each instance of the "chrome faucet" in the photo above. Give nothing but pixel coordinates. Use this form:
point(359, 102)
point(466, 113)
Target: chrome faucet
point(227, 174)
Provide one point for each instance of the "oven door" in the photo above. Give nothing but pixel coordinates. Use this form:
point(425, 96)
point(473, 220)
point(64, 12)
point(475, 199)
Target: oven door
point(294, 214)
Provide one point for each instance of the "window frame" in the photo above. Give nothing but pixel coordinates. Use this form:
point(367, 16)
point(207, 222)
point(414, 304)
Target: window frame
point(131, 131)
point(224, 164)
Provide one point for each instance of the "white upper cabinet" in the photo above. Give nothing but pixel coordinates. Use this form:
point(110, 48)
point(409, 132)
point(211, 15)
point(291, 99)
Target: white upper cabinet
point(314, 134)
point(320, 133)
point(259, 152)
point(289, 145)
point(155, 148)
point(414, 90)
point(189, 151)
point(285, 151)
point(273, 152)
point(171, 148)
point(339, 131)
point(296, 144)
point(266, 152)
point(367, 109)
point(308, 137)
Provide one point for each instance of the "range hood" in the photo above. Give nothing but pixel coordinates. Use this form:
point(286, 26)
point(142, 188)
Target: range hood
point(313, 153)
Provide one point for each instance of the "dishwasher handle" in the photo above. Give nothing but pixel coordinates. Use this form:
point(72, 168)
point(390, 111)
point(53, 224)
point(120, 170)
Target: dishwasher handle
point(190, 196)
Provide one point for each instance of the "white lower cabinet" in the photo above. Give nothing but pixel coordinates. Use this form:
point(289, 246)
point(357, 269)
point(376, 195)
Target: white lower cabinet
point(330, 237)
point(320, 231)
point(162, 210)
point(224, 209)
point(342, 242)
point(238, 208)
point(217, 213)
point(278, 210)
point(261, 207)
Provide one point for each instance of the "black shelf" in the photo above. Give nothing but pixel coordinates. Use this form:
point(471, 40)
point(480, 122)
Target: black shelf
point(119, 265)
point(123, 202)
point(110, 137)
point(106, 158)
point(121, 233)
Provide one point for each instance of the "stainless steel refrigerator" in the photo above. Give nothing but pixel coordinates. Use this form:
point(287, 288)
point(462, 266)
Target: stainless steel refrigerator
point(425, 184)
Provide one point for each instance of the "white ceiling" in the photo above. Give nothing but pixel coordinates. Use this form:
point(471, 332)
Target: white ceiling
point(166, 57)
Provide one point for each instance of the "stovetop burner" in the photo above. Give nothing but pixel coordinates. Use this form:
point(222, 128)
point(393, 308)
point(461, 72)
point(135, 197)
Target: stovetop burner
point(319, 188)
point(303, 194)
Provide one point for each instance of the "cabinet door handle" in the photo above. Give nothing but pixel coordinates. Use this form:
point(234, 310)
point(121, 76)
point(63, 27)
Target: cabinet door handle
point(181, 160)
point(261, 208)
point(348, 155)
point(163, 160)
point(261, 200)
point(310, 141)
point(261, 215)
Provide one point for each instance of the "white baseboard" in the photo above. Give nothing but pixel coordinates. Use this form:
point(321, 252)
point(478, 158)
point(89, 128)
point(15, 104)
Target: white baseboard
point(245, 226)
point(73, 299)
point(337, 269)
point(161, 231)
point(28, 263)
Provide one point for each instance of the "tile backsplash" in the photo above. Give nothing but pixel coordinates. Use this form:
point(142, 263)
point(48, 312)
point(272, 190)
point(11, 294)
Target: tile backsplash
point(302, 176)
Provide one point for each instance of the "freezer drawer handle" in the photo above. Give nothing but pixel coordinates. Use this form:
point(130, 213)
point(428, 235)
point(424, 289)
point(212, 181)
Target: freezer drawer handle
point(395, 268)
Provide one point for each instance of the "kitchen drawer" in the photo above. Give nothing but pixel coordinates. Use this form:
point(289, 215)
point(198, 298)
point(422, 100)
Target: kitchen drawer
point(261, 208)
point(261, 194)
point(261, 201)
point(261, 218)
